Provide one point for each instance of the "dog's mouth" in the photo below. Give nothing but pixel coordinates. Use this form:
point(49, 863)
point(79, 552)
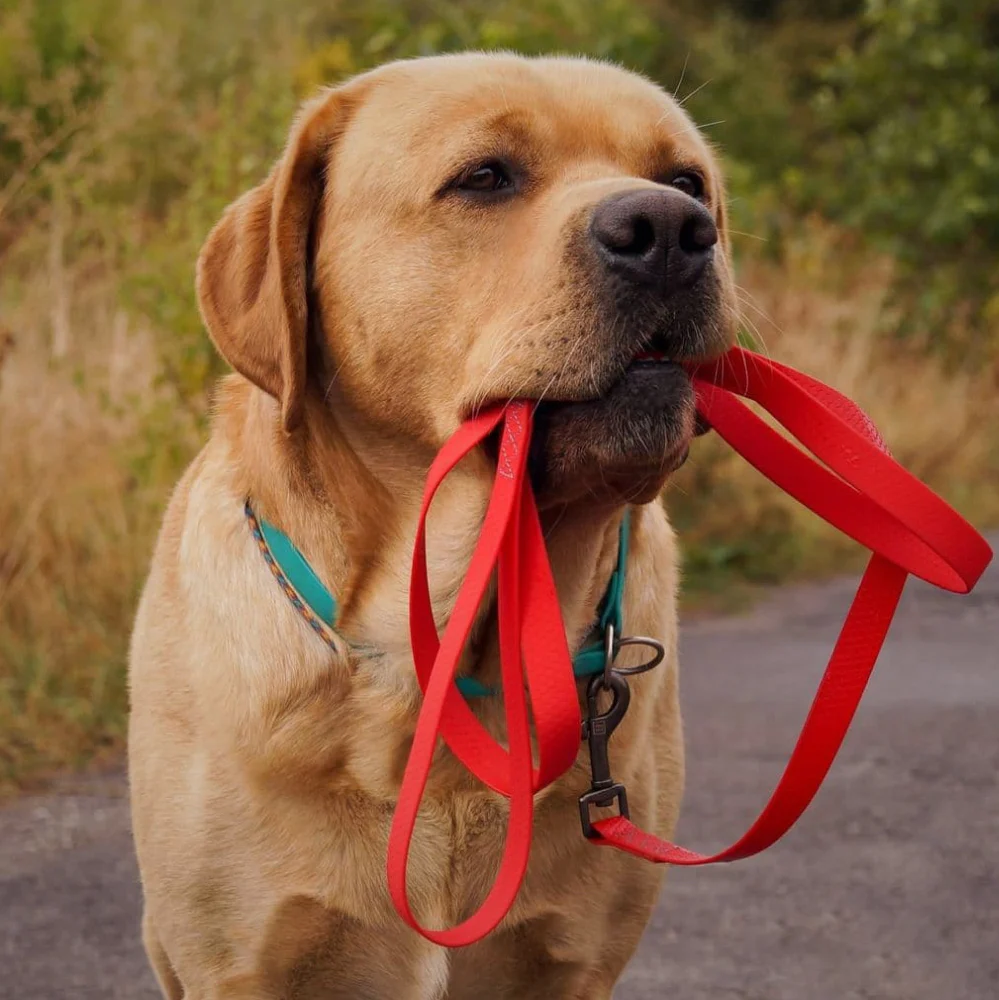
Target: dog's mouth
point(654, 361)
point(657, 354)
point(629, 433)
point(624, 442)
point(652, 354)
point(662, 349)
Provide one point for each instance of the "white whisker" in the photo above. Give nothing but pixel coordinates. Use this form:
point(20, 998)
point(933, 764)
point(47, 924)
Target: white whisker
point(694, 127)
point(683, 73)
point(752, 236)
point(696, 90)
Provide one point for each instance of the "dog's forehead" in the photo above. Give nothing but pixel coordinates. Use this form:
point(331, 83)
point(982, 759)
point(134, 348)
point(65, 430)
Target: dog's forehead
point(435, 109)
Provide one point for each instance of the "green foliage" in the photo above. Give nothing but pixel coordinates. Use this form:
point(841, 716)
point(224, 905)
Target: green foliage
point(142, 120)
point(702, 52)
point(221, 165)
point(910, 152)
point(132, 124)
point(777, 10)
point(126, 127)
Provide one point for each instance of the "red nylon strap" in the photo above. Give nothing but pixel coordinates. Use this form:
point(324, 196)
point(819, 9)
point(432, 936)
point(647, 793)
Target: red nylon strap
point(530, 631)
point(859, 489)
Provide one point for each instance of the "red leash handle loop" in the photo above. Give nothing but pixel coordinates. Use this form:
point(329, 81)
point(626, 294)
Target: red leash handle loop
point(545, 653)
point(530, 632)
point(868, 496)
point(871, 497)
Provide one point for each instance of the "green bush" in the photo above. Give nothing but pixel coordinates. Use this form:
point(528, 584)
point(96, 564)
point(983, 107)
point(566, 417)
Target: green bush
point(910, 154)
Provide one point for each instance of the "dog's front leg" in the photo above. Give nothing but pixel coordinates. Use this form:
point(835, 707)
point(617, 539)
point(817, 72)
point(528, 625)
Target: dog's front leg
point(170, 986)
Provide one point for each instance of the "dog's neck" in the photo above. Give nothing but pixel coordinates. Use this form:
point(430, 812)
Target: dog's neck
point(348, 494)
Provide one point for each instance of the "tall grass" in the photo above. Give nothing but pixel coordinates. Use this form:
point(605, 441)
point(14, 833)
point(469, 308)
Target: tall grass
point(126, 126)
point(84, 476)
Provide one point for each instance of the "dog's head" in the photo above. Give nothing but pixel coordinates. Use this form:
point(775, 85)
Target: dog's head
point(445, 233)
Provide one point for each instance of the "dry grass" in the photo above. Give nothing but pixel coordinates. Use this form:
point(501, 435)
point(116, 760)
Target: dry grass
point(825, 310)
point(75, 532)
point(90, 445)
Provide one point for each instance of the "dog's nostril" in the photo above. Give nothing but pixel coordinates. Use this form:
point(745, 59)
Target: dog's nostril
point(644, 237)
point(627, 235)
point(698, 234)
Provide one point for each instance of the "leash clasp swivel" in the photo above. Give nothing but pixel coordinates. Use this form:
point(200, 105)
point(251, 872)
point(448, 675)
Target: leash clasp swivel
point(597, 730)
point(598, 726)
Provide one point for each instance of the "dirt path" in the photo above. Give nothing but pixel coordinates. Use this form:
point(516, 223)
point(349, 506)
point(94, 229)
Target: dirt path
point(889, 887)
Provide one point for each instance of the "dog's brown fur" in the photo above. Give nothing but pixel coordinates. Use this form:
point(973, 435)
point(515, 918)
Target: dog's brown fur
point(367, 315)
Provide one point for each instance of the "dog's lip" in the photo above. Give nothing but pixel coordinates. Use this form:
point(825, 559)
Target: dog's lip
point(654, 352)
point(661, 365)
point(555, 400)
point(658, 350)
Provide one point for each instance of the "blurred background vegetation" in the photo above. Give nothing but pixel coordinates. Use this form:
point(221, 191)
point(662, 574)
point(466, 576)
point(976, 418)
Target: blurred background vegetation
point(862, 146)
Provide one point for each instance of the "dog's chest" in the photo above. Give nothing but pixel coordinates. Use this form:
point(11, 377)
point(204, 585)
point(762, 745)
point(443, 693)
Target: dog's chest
point(322, 913)
point(323, 922)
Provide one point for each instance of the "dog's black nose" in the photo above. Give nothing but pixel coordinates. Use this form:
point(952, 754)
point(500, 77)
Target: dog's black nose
point(662, 238)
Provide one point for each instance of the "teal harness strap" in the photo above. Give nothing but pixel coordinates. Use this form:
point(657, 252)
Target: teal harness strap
point(299, 573)
point(590, 659)
point(312, 599)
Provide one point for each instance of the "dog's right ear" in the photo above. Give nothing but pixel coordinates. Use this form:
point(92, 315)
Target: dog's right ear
point(253, 270)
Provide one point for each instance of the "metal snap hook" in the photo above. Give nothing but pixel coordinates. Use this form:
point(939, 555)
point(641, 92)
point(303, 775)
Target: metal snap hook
point(597, 730)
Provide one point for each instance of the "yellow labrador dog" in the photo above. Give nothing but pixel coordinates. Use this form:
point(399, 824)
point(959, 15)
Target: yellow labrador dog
point(439, 234)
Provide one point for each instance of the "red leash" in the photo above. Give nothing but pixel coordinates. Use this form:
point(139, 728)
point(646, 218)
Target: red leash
point(530, 627)
point(860, 489)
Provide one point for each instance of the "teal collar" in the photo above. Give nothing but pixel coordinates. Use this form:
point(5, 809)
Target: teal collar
point(313, 601)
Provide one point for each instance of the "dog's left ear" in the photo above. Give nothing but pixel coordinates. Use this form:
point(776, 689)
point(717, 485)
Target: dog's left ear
point(252, 272)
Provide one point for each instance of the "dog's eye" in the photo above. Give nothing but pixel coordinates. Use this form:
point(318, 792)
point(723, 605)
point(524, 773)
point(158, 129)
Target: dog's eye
point(492, 176)
point(689, 183)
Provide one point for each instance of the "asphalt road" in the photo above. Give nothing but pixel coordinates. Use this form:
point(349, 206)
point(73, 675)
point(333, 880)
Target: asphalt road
point(887, 889)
